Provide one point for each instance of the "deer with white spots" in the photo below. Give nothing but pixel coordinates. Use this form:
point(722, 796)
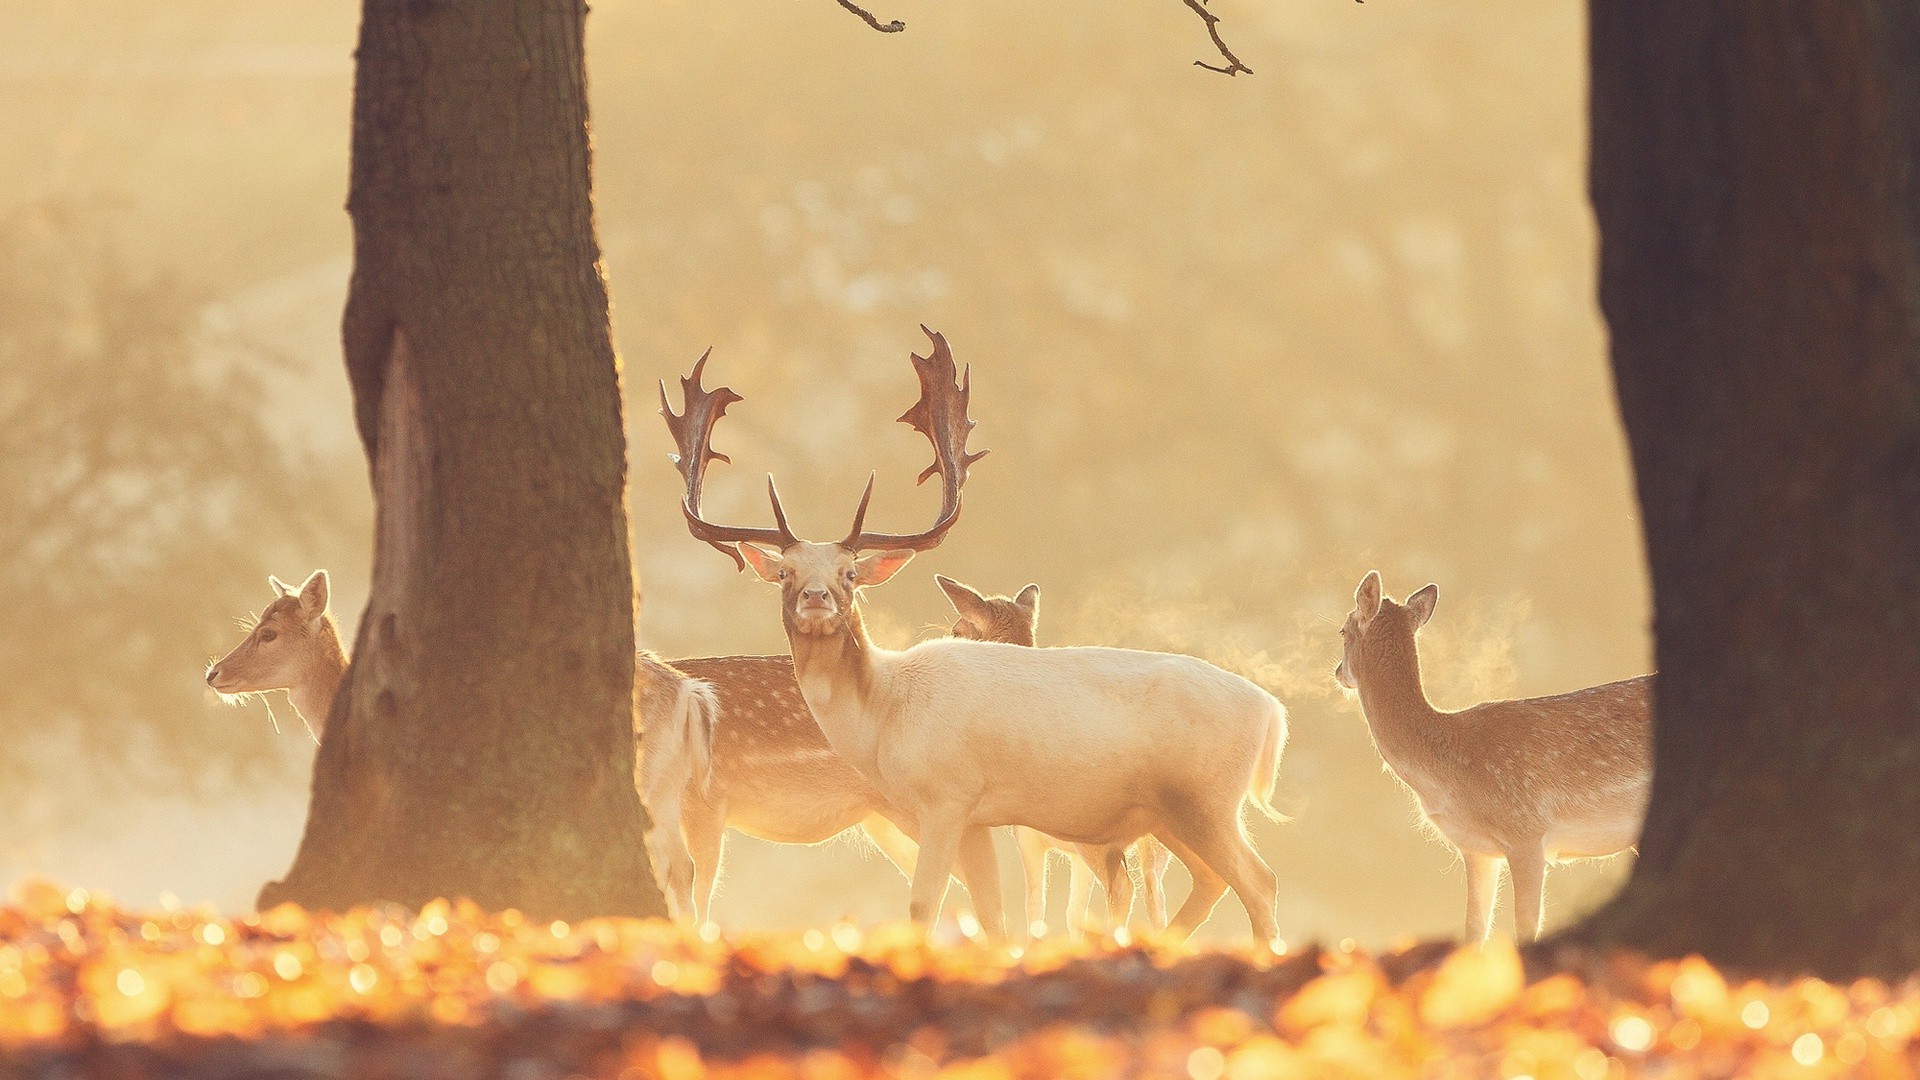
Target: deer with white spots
point(1090, 745)
point(1526, 782)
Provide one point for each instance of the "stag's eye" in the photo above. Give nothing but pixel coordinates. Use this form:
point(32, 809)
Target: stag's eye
point(783, 573)
point(268, 634)
point(849, 575)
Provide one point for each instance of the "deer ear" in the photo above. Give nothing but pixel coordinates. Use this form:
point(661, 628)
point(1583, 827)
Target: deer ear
point(876, 568)
point(765, 563)
point(963, 598)
point(1420, 605)
point(1366, 598)
point(313, 595)
point(280, 588)
point(1028, 597)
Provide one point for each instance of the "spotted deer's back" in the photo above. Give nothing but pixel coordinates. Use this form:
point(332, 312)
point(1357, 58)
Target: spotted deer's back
point(764, 731)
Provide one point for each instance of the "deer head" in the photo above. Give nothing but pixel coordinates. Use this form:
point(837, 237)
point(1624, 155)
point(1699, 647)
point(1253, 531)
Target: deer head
point(1378, 633)
point(283, 646)
point(1012, 619)
point(818, 581)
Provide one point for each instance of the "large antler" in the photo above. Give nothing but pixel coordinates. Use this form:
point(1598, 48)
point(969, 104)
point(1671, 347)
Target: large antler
point(940, 415)
point(692, 431)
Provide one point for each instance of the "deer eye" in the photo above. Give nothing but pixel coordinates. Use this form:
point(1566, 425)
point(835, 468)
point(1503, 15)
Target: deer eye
point(268, 634)
point(850, 575)
point(782, 574)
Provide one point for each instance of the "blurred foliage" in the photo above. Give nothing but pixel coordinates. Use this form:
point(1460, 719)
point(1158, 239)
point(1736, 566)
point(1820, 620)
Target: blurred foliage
point(144, 497)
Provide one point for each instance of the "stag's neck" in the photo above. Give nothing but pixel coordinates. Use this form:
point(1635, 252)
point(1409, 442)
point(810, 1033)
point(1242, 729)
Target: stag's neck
point(836, 676)
point(313, 697)
point(1409, 732)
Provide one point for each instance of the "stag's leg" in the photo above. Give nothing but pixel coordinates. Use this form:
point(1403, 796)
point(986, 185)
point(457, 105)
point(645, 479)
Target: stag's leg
point(1153, 879)
point(1118, 881)
point(1528, 867)
point(1483, 886)
point(980, 869)
point(939, 846)
point(1079, 916)
point(1208, 888)
point(1218, 841)
point(1033, 859)
point(893, 842)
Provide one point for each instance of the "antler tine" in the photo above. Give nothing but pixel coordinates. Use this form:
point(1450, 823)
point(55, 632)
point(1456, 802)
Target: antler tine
point(692, 430)
point(851, 543)
point(940, 415)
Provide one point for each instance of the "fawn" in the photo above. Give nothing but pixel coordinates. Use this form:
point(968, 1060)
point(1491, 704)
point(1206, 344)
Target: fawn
point(1090, 745)
point(294, 646)
point(1529, 781)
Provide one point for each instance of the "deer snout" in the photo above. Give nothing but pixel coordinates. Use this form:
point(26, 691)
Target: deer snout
point(213, 675)
point(815, 596)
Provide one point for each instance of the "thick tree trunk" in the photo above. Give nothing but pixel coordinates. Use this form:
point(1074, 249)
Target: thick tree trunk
point(483, 743)
point(1753, 173)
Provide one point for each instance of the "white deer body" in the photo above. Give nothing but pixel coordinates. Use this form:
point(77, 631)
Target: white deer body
point(1091, 745)
point(1527, 782)
point(995, 728)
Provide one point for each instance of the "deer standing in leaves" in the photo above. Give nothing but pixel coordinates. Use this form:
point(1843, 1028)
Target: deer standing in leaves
point(1090, 745)
point(1525, 782)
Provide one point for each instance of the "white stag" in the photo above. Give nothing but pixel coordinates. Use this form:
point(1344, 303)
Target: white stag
point(1090, 745)
point(1527, 782)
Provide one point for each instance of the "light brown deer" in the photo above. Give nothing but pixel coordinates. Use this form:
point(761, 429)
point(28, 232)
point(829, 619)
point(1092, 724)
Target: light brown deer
point(1527, 782)
point(1016, 620)
point(294, 646)
point(1091, 745)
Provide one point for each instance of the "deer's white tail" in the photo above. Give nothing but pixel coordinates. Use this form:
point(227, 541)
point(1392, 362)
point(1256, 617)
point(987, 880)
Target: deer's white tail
point(1266, 768)
point(678, 748)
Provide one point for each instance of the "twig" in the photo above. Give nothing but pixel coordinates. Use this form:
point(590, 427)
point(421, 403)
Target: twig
point(893, 27)
point(1233, 65)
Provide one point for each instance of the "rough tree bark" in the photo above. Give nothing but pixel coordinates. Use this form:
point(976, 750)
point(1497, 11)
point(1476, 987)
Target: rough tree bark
point(1753, 174)
point(483, 743)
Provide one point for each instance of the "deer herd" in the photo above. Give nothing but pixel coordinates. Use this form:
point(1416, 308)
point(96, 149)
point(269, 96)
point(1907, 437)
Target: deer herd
point(1121, 758)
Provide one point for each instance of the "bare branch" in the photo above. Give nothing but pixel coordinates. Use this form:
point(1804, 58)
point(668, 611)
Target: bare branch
point(893, 27)
point(1233, 65)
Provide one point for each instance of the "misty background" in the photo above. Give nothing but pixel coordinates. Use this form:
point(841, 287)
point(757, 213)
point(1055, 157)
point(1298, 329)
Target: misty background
point(1235, 342)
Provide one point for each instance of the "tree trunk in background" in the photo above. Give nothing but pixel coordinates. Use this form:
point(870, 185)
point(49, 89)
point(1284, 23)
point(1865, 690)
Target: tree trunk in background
point(483, 743)
point(1753, 174)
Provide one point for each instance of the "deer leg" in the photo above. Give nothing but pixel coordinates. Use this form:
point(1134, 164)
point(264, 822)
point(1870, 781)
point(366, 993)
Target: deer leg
point(1528, 868)
point(939, 847)
point(1033, 859)
point(1153, 879)
point(980, 869)
point(1079, 916)
point(894, 843)
point(705, 828)
point(1118, 880)
point(1220, 843)
point(1208, 888)
point(1483, 886)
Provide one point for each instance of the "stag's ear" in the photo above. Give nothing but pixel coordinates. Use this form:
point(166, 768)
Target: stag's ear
point(280, 588)
point(1420, 605)
point(313, 595)
point(877, 568)
point(1366, 598)
point(765, 563)
point(1029, 598)
point(964, 600)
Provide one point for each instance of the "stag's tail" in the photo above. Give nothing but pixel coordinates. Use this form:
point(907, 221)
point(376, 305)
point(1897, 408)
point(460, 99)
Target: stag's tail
point(1266, 768)
point(695, 711)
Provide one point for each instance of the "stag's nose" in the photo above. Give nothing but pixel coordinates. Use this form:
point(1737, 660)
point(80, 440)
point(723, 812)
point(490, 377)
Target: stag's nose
point(813, 594)
point(213, 675)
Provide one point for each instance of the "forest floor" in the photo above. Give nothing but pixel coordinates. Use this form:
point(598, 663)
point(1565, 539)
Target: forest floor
point(88, 989)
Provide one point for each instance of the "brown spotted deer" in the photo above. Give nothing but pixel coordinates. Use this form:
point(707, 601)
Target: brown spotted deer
point(294, 646)
point(1016, 620)
point(1090, 745)
point(1527, 782)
